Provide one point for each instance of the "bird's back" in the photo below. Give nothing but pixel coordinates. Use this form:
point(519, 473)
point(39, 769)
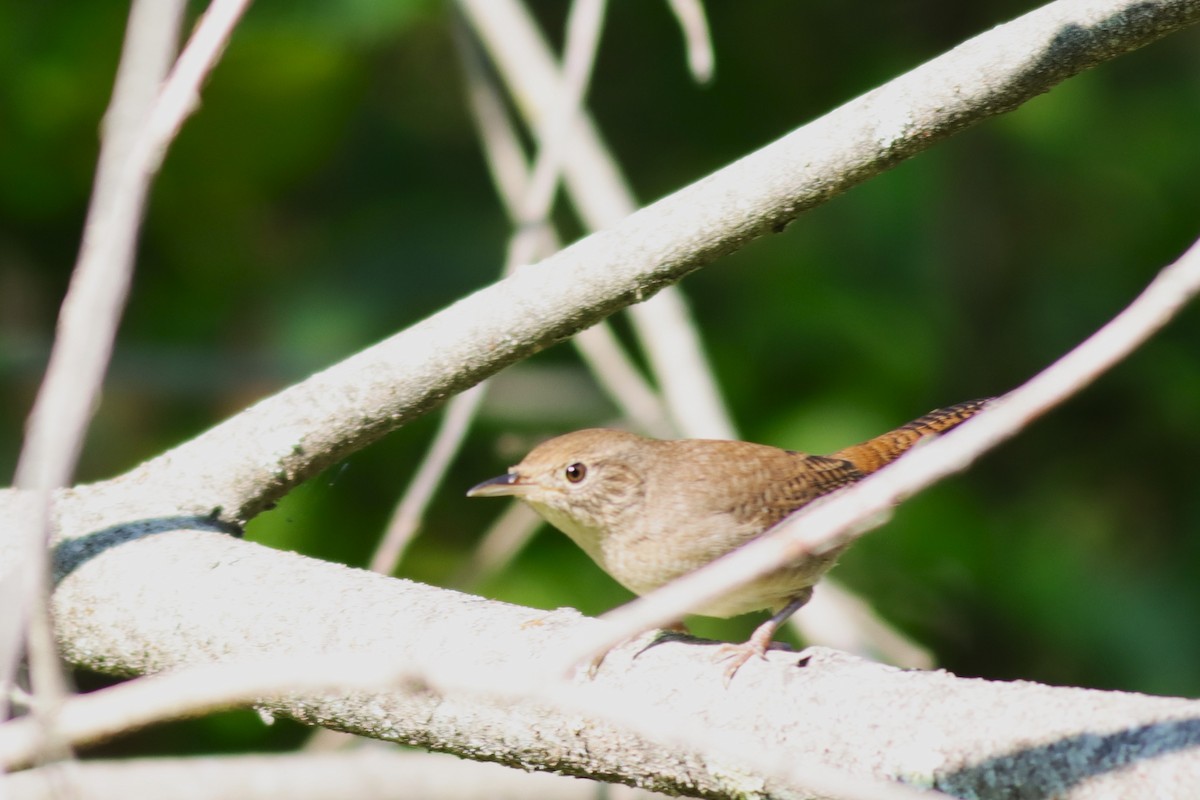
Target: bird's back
point(705, 498)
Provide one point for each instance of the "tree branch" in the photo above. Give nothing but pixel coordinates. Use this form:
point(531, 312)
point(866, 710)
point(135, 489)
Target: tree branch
point(211, 597)
point(287, 438)
point(365, 774)
point(845, 516)
point(210, 621)
point(147, 584)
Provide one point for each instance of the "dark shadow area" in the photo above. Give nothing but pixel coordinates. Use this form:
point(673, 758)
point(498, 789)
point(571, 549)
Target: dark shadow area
point(1052, 770)
point(70, 554)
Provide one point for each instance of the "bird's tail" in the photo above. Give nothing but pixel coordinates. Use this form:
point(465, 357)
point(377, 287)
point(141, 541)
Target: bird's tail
point(877, 453)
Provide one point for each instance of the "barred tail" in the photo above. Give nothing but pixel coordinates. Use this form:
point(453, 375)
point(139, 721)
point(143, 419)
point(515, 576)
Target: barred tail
point(877, 453)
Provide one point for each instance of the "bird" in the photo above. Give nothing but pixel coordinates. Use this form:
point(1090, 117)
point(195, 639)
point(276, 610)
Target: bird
point(648, 511)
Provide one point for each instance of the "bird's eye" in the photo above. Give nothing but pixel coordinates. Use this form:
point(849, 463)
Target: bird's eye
point(575, 472)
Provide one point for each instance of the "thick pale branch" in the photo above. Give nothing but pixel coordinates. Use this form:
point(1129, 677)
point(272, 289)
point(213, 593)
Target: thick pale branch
point(364, 774)
point(210, 597)
point(271, 447)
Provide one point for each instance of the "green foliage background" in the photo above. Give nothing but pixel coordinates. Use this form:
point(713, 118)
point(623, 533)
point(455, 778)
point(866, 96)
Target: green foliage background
point(330, 192)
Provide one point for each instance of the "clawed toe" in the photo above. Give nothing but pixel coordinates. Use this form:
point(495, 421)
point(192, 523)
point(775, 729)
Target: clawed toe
point(737, 655)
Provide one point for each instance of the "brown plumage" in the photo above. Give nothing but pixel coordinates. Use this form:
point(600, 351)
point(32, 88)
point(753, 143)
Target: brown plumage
point(650, 510)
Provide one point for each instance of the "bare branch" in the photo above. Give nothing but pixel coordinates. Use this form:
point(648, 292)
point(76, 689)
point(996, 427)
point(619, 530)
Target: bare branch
point(66, 401)
point(847, 515)
point(694, 25)
point(583, 40)
point(375, 773)
point(100, 282)
point(598, 346)
point(216, 598)
point(530, 207)
point(279, 442)
point(276, 681)
point(838, 618)
point(603, 197)
point(406, 519)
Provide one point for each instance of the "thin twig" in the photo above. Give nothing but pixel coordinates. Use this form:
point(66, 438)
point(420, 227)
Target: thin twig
point(837, 617)
point(603, 198)
point(852, 512)
point(532, 238)
point(65, 401)
point(95, 299)
point(498, 546)
point(696, 38)
point(199, 690)
point(598, 346)
point(406, 519)
point(614, 371)
point(100, 283)
point(554, 132)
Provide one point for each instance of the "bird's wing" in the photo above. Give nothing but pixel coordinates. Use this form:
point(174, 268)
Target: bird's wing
point(811, 477)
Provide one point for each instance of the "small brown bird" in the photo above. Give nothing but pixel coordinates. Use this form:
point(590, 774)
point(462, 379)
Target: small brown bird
point(648, 510)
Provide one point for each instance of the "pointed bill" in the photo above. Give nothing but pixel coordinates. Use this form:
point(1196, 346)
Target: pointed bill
point(500, 486)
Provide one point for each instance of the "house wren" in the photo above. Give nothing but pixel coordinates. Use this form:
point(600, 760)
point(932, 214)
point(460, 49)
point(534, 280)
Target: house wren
point(648, 511)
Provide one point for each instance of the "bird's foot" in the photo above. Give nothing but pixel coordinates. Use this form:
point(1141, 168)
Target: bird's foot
point(762, 639)
point(738, 653)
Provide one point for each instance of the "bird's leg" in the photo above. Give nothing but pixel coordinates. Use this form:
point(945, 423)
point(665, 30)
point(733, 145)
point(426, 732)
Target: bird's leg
point(761, 640)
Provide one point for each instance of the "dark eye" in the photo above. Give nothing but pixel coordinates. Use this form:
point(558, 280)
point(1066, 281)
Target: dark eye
point(575, 472)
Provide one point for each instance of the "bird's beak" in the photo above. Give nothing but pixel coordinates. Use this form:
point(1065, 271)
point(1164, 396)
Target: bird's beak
point(508, 484)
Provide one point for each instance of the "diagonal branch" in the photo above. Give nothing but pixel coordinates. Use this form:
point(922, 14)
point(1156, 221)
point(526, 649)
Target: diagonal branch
point(601, 194)
point(846, 516)
point(285, 439)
